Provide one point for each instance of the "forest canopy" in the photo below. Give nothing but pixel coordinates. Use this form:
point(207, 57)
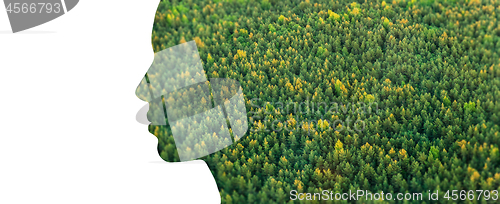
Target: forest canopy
point(432, 67)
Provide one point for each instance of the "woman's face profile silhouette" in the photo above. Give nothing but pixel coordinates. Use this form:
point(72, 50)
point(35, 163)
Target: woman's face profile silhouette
point(341, 56)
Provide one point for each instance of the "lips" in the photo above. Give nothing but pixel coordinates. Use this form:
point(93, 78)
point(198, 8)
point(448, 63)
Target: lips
point(26, 14)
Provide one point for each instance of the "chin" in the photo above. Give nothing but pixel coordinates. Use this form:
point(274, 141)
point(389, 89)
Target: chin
point(166, 145)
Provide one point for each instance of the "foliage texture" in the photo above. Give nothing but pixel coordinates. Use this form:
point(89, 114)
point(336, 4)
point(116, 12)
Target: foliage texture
point(432, 66)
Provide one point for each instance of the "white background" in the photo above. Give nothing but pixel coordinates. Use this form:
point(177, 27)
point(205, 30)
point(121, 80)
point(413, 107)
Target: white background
point(67, 109)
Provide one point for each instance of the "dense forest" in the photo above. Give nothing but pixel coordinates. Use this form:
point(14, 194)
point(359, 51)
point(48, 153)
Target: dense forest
point(427, 72)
